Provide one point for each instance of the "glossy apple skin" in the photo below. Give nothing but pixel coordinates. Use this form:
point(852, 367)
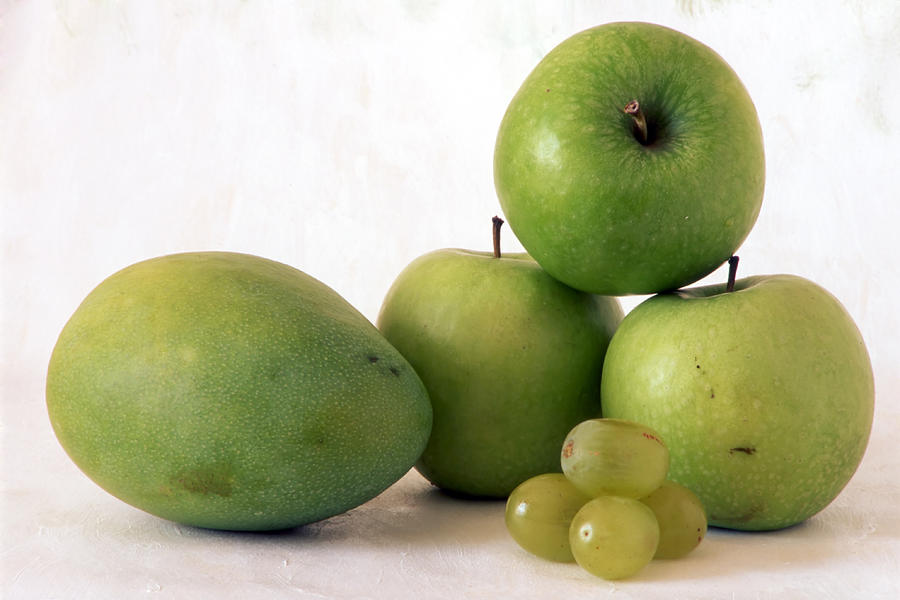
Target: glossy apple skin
point(595, 207)
point(764, 395)
point(511, 359)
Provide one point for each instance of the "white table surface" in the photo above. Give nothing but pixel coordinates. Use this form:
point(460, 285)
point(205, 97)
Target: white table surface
point(346, 139)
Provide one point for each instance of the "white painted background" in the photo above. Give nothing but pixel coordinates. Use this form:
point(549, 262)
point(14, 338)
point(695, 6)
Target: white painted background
point(347, 138)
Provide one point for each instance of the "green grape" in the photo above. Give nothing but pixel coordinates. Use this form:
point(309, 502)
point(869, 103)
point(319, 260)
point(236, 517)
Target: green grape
point(681, 518)
point(538, 514)
point(612, 457)
point(614, 537)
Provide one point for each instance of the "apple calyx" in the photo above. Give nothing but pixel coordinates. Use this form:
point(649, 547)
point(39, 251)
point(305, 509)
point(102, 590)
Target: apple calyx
point(498, 223)
point(732, 272)
point(633, 109)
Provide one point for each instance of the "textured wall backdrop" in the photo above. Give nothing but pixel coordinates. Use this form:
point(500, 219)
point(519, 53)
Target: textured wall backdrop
point(346, 138)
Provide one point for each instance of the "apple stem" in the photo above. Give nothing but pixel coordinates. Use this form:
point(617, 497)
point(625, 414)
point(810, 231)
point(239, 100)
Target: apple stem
point(633, 109)
point(732, 272)
point(498, 223)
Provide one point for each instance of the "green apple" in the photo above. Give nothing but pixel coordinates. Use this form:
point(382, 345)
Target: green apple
point(764, 394)
point(229, 391)
point(630, 161)
point(511, 359)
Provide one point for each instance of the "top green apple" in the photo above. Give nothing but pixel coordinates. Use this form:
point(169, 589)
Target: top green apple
point(630, 161)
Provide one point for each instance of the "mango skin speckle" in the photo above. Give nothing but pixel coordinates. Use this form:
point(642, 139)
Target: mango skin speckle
point(228, 391)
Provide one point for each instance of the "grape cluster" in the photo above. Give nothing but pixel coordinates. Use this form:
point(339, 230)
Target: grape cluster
point(611, 509)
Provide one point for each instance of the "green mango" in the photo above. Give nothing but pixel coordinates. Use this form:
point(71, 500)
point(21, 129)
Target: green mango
point(229, 391)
